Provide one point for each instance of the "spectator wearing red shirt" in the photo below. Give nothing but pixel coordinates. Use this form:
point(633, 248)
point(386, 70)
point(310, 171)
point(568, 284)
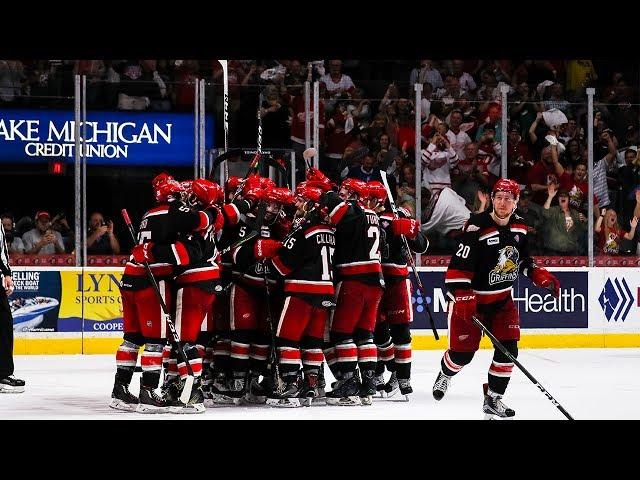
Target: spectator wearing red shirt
point(519, 156)
point(611, 233)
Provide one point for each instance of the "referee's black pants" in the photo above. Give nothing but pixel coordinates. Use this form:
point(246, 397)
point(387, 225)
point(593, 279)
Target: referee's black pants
point(6, 336)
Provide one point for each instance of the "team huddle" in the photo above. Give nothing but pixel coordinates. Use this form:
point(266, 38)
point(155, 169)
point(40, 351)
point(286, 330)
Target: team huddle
point(264, 286)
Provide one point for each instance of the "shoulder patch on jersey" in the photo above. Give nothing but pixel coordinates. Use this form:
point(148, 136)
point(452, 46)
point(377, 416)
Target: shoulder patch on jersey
point(472, 228)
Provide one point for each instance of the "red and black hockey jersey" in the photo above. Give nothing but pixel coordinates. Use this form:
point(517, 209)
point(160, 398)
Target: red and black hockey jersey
point(489, 258)
point(357, 231)
point(394, 264)
point(164, 225)
point(306, 263)
point(204, 270)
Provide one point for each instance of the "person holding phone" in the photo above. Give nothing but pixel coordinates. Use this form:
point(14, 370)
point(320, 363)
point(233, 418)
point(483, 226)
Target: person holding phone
point(43, 240)
point(100, 238)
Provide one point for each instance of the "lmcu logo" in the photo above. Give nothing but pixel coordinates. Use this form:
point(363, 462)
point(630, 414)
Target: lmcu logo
point(616, 299)
point(98, 281)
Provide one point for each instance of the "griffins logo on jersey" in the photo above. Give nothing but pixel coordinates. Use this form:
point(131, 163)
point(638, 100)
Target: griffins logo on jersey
point(507, 267)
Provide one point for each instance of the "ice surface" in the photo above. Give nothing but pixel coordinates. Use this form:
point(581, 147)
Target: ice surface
point(588, 383)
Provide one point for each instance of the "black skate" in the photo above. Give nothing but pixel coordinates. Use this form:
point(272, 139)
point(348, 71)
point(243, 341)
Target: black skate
point(11, 384)
point(440, 386)
point(151, 402)
point(391, 387)
point(220, 390)
point(258, 391)
point(379, 381)
point(321, 396)
point(405, 387)
point(289, 396)
point(170, 389)
point(311, 391)
point(122, 399)
point(196, 400)
point(493, 406)
point(367, 387)
point(346, 391)
point(237, 388)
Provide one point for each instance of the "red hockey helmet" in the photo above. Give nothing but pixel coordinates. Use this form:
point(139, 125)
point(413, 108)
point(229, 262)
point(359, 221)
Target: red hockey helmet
point(232, 184)
point(308, 192)
point(266, 182)
point(280, 195)
point(160, 178)
point(207, 192)
point(506, 185)
point(377, 191)
point(356, 186)
point(167, 189)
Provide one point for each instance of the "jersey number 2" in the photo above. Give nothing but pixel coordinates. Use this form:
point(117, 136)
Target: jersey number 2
point(374, 232)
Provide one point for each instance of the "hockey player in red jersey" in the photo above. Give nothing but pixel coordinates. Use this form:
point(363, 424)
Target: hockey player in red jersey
point(358, 292)
point(305, 262)
point(160, 247)
point(392, 334)
point(491, 253)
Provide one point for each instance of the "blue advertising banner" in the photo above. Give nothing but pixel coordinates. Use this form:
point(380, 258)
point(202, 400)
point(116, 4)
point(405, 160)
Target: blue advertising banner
point(536, 307)
point(113, 138)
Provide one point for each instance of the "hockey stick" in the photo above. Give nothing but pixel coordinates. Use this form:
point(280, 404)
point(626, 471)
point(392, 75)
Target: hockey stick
point(225, 79)
point(408, 256)
point(508, 354)
point(166, 316)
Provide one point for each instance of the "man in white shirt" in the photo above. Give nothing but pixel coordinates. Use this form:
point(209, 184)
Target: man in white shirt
point(457, 138)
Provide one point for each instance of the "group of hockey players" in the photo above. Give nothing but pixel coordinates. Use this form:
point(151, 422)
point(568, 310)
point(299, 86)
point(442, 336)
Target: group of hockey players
point(265, 286)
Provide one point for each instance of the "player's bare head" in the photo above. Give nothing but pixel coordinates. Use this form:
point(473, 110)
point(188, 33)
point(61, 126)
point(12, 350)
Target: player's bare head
point(276, 199)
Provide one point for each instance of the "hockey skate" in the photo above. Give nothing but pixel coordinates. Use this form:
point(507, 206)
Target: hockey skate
point(122, 399)
point(151, 402)
point(195, 403)
point(11, 384)
point(440, 386)
point(367, 387)
point(237, 388)
point(346, 391)
point(257, 391)
point(321, 396)
point(220, 390)
point(405, 388)
point(289, 397)
point(391, 387)
point(493, 406)
point(379, 381)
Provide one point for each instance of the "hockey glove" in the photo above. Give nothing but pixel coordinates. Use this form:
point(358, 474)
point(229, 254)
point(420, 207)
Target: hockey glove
point(266, 248)
point(143, 253)
point(464, 305)
point(542, 277)
point(405, 226)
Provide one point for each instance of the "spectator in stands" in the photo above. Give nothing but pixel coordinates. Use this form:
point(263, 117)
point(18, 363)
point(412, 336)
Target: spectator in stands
point(469, 176)
point(366, 171)
point(96, 73)
point(60, 224)
point(489, 153)
point(580, 75)
point(533, 217)
point(14, 243)
point(337, 83)
point(458, 139)
point(338, 135)
point(629, 180)
point(448, 98)
point(43, 240)
point(275, 115)
point(407, 184)
point(541, 175)
point(466, 81)
point(186, 74)
point(157, 88)
point(564, 226)
point(573, 153)
point(519, 156)
point(387, 154)
point(100, 237)
point(295, 78)
point(610, 233)
point(11, 79)
point(438, 159)
point(360, 108)
point(556, 99)
point(395, 169)
point(426, 73)
point(137, 86)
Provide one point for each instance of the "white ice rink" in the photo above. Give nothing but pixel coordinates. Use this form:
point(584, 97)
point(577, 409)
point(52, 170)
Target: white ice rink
point(588, 383)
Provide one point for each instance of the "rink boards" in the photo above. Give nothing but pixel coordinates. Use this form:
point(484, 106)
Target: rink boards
point(72, 310)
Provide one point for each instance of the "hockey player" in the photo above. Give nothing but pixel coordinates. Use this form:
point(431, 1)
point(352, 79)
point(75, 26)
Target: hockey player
point(491, 253)
point(248, 303)
point(392, 334)
point(359, 289)
point(143, 319)
point(305, 262)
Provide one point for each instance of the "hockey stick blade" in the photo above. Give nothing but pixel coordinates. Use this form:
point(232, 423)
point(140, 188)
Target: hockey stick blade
point(186, 391)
